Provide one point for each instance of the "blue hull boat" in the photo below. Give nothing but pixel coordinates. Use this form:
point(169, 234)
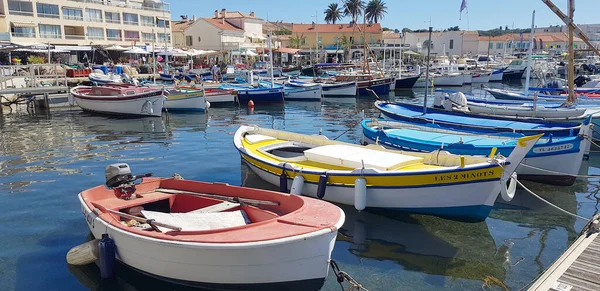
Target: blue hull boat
point(475, 123)
point(380, 86)
point(557, 154)
point(258, 95)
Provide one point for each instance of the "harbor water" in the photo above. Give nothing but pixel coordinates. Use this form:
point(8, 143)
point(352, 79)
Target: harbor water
point(47, 158)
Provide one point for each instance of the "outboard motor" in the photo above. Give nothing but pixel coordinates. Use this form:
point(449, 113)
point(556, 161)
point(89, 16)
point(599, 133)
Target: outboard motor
point(581, 80)
point(126, 78)
point(119, 178)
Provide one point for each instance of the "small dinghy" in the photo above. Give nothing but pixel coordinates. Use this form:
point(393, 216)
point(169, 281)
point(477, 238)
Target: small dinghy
point(213, 235)
point(123, 100)
point(105, 79)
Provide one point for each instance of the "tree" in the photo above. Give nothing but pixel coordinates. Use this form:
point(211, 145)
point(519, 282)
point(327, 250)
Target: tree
point(406, 29)
point(345, 43)
point(454, 28)
point(375, 10)
point(354, 8)
point(296, 41)
point(333, 13)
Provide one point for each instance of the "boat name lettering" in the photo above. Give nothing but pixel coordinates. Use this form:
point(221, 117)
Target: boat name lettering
point(88, 217)
point(550, 149)
point(463, 176)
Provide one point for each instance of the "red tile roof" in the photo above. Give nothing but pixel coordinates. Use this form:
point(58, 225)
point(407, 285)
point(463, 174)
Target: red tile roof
point(545, 37)
point(336, 28)
point(181, 25)
point(234, 14)
point(221, 24)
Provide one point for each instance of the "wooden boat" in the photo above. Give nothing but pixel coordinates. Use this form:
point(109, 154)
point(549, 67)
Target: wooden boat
point(125, 100)
point(381, 86)
point(259, 95)
point(186, 99)
point(297, 91)
point(562, 155)
point(214, 235)
point(406, 82)
point(339, 89)
point(105, 79)
point(216, 96)
point(525, 110)
point(476, 122)
point(439, 183)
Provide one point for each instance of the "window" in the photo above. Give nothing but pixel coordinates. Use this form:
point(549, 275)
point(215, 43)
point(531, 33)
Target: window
point(147, 20)
point(130, 19)
point(162, 23)
point(499, 45)
point(132, 35)
point(162, 37)
point(20, 8)
point(23, 32)
point(188, 40)
point(148, 37)
point(93, 15)
point(49, 31)
point(95, 33)
point(491, 45)
point(72, 13)
point(112, 17)
point(113, 34)
point(47, 10)
point(451, 44)
point(320, 40)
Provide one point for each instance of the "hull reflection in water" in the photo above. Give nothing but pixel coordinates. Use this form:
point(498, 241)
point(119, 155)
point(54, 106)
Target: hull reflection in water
point(111, 128)
point(418, 243)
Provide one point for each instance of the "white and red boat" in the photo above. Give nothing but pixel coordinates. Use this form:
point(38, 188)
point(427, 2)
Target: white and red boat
point(220, 96)
point(213, 235)
point(116, 99)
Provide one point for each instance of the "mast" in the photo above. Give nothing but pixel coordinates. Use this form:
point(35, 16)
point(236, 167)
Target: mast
point(529, 52)
point(153, 58)
point(427, 71)
point(487, 64)
point(571, 76)
point(270, 59)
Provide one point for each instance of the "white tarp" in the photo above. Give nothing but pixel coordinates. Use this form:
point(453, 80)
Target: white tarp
point(193, 221)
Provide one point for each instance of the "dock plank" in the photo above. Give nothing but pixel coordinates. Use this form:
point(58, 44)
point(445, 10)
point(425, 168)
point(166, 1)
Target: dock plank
point(578, 267)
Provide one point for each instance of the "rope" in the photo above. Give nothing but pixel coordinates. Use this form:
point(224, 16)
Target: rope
point(559, 173)
point(343, 276)
point(549, 203)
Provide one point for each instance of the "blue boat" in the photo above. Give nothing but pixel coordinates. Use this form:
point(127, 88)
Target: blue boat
point(558, 154)
point(475, 123)
point(258, 95)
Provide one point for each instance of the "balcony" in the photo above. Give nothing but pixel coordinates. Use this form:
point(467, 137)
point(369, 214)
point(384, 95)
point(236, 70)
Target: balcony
point(50, 35)
point(97, 37)
point(130, 22)
point(135, 5)
point(94, 20)
point(71, 17)
point(23, 34)
point(116, 21)
point(150, 24)
point(118, 38)
point(74, 36)
point(48, 15)
point(20, 12)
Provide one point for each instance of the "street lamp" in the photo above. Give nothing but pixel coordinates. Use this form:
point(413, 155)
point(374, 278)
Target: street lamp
point(317, 44)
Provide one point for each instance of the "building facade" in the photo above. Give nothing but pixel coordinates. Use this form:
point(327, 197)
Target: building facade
point(332, 35)
point(552, 43)
point(85, 22)
point(449, 43)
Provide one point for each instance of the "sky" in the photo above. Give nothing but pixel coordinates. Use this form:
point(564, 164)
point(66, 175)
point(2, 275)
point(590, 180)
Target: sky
point(482, 14)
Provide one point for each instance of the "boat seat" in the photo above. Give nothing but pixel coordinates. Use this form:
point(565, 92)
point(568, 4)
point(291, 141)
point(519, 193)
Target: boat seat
point(194, 221)
point(257, 138)
point(223, 206)
point(353, 157)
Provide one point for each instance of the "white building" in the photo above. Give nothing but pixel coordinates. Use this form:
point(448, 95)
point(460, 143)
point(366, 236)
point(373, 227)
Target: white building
point(84, 22)
point(447, 43)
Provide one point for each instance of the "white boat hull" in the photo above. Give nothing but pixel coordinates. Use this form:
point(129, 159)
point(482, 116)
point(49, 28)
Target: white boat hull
point(340, 90)
point(105, 79)
point(446, 80)
point(525, 111)
point(313, 93)
point(220, 98)
point(148, 106)
point(228, 266)
point(194, 103)
point(443, 199)
point(467, 78)
point(497, 77)
point(482, 77)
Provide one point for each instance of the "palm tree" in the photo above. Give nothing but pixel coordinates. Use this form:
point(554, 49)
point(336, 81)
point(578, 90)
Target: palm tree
point(296, 41)
point(333, 13)
point(375, 10)
point(354, 8)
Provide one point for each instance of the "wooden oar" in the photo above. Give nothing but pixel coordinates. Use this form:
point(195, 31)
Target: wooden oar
point(151, 222)
point(222, 197)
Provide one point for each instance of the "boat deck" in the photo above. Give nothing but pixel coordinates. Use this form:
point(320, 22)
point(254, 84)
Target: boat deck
point(577, 269)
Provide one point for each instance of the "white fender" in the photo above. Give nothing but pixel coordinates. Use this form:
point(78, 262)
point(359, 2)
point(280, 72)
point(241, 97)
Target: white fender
point(297, 185)
point(509, 193)
point(360, 194)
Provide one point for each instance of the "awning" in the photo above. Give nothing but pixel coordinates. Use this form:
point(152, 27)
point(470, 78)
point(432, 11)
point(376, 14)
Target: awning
point(23, 24)
point(74, 48)
point(287, 50)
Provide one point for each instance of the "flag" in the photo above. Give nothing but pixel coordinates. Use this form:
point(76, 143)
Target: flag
point(463, 6)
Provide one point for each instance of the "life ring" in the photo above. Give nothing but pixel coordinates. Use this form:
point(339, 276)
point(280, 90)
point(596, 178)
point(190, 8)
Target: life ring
point(508, 193)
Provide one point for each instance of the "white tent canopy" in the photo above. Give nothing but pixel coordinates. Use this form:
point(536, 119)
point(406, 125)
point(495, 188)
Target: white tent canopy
point(195, 52)
point(116, 48)
point(174, 53)
point(136, 50)
point(244, 53)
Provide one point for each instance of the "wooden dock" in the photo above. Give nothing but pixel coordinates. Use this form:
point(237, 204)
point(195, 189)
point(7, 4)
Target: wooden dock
point(578, 268)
